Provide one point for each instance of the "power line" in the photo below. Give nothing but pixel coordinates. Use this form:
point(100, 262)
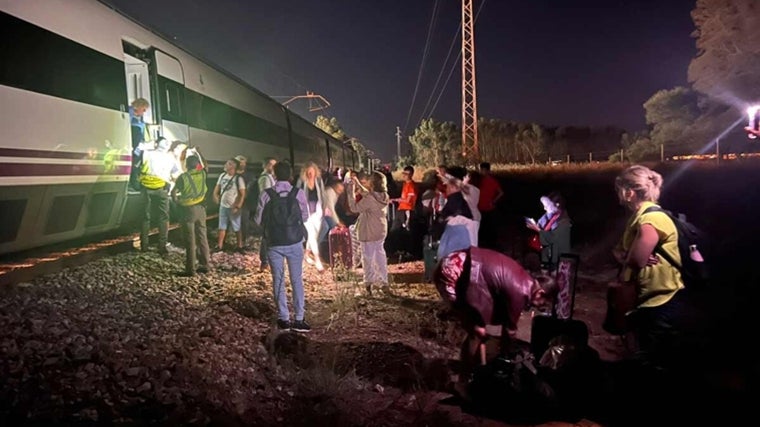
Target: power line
point(422, 64)
point(440, 74)
point(453, 65)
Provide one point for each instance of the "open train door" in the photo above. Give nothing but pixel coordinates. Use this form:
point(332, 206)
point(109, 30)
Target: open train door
point(170, 97)
point(157, 77)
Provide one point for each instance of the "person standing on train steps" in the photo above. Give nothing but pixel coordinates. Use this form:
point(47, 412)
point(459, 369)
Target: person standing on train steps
point(137, 122)
point(139, 137)
point(159, 167)
point(282, 212)
point(189, 193)
point(229, 193)
point(266, 180)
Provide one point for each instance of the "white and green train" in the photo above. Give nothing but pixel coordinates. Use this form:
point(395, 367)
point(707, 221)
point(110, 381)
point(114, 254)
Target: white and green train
point(68, 73)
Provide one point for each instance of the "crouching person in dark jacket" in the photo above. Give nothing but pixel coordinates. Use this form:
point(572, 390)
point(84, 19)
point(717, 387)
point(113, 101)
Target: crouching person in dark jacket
point(486, 287)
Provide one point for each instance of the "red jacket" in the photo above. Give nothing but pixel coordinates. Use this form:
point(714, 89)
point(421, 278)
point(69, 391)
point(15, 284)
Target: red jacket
point(498, 289)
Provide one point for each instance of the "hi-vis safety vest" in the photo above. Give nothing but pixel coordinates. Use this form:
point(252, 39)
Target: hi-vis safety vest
point(193, 188)
point(156, 169)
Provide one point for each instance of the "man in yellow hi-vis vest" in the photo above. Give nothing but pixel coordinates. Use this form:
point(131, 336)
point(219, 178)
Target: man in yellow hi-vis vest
point(159, 167)
point(189, 193)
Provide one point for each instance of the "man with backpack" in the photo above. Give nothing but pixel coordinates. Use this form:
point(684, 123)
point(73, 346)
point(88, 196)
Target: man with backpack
point(229, 193)
point(281, 213)
point(266, 180)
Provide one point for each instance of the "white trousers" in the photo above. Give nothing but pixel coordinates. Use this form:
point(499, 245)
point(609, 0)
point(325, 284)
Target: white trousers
point(313, 224)
point(374, 262)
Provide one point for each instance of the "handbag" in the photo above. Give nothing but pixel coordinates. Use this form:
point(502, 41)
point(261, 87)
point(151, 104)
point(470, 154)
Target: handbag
point(534, 241)
point(621, 302)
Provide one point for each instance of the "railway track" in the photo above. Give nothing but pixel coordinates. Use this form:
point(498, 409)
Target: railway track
point(25, 266)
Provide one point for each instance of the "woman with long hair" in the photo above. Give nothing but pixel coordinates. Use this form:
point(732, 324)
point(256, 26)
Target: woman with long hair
point(312, 185)
point(372, 228)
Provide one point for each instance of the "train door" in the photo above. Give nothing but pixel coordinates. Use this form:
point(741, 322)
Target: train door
point(158, 78)
point(170, 97)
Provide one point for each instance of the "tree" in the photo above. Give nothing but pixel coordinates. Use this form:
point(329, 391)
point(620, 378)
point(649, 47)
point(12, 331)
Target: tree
point(670, 114)
point(434, 143)
point(331, 127)
point(360, 150)
point(642, 148)
point(728, 42)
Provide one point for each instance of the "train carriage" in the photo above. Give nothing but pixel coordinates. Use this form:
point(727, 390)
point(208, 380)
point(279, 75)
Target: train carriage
point(70, 69)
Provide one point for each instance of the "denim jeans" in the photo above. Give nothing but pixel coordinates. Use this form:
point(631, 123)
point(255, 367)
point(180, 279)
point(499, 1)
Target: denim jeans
point(294, 256)
point(328, 223)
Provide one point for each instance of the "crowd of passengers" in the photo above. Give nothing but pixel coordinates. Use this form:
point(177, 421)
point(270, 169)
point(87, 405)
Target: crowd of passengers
point(456, 217)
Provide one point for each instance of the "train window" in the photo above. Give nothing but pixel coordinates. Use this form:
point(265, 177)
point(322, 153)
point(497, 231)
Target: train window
point(11, 214)
point(64, 214)
point(172, 101)
point(99, 209)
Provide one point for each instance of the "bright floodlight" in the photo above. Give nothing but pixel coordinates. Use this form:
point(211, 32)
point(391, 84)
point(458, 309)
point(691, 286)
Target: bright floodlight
point(753, 123)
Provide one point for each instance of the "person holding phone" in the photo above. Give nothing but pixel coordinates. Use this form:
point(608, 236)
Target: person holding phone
point(553, 230)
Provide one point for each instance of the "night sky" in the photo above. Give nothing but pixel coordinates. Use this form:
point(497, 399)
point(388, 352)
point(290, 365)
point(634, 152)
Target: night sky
point(554, 62)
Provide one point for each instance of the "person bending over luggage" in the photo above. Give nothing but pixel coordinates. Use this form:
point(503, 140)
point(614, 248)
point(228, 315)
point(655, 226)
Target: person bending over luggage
point(372, 228)
point(486, 287)
point(333, 191)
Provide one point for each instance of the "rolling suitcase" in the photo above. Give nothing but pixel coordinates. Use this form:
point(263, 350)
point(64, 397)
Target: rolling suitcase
point(560, 322)
point(341, 251)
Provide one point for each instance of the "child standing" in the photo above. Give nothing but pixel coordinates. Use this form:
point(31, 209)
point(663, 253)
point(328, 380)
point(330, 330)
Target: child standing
point(372, 228)
point(408, 197)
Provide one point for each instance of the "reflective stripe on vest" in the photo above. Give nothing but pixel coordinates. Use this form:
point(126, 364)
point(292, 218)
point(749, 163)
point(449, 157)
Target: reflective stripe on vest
point(194, 188)
point(152, 161)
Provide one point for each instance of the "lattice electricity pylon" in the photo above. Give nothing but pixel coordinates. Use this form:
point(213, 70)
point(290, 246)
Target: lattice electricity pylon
point(469, 94)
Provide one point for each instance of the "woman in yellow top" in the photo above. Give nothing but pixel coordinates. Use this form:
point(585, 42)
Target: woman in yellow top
point(657, 321)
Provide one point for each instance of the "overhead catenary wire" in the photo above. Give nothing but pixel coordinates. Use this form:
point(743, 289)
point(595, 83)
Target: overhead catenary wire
point(451, 70)
point(440, 74)
point(422, 63)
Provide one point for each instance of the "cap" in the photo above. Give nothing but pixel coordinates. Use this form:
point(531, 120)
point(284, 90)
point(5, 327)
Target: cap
point(241, 158)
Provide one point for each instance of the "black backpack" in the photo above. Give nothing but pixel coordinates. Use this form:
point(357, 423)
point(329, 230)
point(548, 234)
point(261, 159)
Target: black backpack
point(282, 220)
point(695, 273)
point(252, 194)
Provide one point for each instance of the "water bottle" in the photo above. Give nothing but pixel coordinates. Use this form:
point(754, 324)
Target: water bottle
point(694, 254)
